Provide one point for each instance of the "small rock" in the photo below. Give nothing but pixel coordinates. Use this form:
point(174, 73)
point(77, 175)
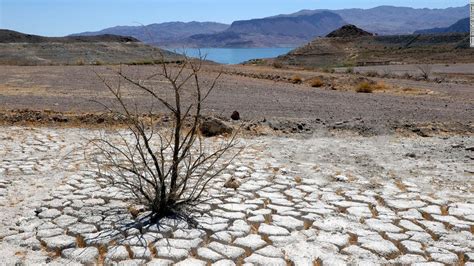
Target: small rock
point(235, 115)
point(251, 241)
point(232, 183)
point(214, 127)
point(262, 260)
point(209, 254)
point(117, 253)
point(160, 262)
point(87, 255)
point(230, 252)
point(133, 262)
point(341, 178)
point(60, 242)
point(49, 213)
point(272, 230)
point(191, 261)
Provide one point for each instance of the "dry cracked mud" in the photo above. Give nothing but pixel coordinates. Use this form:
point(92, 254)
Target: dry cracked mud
point(302, 201)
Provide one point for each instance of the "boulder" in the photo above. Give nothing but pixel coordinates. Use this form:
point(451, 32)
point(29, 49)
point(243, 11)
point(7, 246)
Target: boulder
point(211, 127)
point(235, 116)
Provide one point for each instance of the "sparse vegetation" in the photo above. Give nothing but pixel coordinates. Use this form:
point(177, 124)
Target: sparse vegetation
point(316, 82)
point(349, 70)
point(372, 74)
point(296, 79)
point(370, 87)
point(167, 170)
point(328, 70)
point(425, 70)
point(364, 87)
point(277, 64)
point(407, 75)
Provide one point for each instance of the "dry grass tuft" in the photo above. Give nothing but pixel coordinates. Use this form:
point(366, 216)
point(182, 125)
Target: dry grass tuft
point(369, 87)
point(353, 238)
point(400, 185)
point(296, 79)
point(81, 243)
point(298, 179)
point(316, 83)
point(307, 224)
point(364, 87)
point(444, 210)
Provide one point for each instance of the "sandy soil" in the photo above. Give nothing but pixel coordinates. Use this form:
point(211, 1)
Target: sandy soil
point(75, 88)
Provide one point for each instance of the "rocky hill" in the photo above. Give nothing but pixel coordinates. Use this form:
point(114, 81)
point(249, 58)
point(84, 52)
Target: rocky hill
point(462, 26)
point(24, 49)
point(9, 36)
point(348, 31)
point(379, 50)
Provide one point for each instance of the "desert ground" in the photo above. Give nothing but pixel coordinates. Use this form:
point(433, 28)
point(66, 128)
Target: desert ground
point(262, 94)
point(328, 176)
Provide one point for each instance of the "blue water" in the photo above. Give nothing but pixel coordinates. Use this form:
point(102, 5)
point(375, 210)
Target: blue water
point(233, 55)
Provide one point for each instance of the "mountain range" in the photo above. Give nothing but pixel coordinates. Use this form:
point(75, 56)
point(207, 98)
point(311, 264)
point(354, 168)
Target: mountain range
point(391, 20)
point(162, 32)
point(462, 26)
point(290, 29)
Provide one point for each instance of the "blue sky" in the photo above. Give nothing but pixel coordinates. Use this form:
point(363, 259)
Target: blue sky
point(62, 17)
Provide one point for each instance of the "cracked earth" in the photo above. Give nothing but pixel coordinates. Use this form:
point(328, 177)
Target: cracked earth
point(330, 200)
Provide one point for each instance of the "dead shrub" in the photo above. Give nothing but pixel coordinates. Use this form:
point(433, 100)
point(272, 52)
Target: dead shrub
point(165, 169)
point(425, 70)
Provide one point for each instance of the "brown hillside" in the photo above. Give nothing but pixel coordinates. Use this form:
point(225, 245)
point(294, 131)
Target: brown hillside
point(379, 50)
point(348, 31)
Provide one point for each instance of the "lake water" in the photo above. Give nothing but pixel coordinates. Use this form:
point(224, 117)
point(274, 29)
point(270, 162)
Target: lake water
point(233, 55)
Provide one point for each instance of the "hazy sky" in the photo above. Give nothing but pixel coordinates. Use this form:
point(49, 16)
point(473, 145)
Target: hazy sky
point(62, 17)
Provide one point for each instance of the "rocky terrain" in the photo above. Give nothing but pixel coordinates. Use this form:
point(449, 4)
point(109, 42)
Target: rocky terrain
point(324, 199)
point(9, 36)
point(329, 173)
point(348, 31)
point(24, 49)
point(347, 49)
point(277, 98)
point(462, 26)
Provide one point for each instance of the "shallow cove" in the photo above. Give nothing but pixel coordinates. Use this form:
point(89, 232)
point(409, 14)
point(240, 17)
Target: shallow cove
point(233, 55)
